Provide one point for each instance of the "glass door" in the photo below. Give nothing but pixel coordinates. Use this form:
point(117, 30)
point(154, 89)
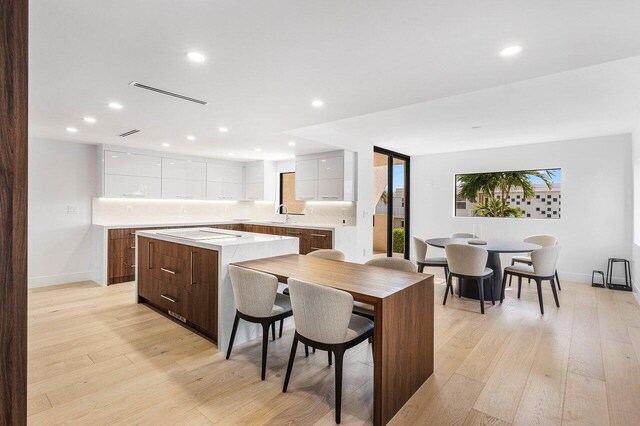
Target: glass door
point(391, 199)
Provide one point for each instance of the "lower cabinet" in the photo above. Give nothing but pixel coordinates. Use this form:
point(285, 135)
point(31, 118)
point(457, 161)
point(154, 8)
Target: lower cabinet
point(181, 281)
point(310, 239)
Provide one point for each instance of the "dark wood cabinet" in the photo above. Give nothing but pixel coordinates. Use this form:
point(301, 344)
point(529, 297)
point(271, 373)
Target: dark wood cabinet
point(181, 281)
point(121, 257)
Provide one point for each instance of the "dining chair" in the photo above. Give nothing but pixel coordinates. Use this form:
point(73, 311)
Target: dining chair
point(258, 302)
point(468, 262)
point(328, 254)
point(542, 268)
point(541, 240)
point(423, 261)
point(463, 235)
point(324, 319)
point(395, 263)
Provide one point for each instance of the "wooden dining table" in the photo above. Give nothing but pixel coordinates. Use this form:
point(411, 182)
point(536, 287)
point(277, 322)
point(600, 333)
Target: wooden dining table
point(403, 320)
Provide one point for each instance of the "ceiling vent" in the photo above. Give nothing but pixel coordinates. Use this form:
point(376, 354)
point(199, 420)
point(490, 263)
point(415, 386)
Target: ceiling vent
point(129, 133)
point(165, 92)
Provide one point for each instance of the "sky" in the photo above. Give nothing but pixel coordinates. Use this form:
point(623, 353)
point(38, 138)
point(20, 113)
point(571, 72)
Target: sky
point(557, 177)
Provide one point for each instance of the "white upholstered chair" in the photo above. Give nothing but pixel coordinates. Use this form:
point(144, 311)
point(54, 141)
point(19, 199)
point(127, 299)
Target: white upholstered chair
point(423, 261)
point(324, 320)
point(395, 263)
point(468, 262)
point(258, 301)
point(542, 241)
point(542, 268)
point(328, 254)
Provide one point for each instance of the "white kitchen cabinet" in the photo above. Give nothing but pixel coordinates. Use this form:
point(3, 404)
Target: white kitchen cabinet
point(129, 164)
point(120, 186)
point(260, 181)
point(307, 169)
point(327, 176)
point(254, 173)
point(215, 172)
point(231, 191)
point(306, 190)
point(174, 168)
point(214, 190)
point(181, 189)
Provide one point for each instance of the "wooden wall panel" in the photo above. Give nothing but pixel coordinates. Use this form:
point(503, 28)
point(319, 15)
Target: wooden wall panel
point(13, 211)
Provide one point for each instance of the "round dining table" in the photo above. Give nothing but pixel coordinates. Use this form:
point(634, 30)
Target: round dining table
point(469, 288)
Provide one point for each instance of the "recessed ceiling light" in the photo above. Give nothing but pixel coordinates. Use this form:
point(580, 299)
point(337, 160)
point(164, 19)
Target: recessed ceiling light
point(230, 154)
point(72, 130)
point(511, 50)
point(196, 57)
point(165, 144)
point(292, 143)
point(89, 120)
point(223, 129)
point(258, 149)
point(191, 138)
point(115, 105)
point(317, 103)
point(476, 127)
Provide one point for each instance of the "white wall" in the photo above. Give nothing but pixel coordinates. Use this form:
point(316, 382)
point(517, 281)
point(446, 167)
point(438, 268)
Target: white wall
point(635, 245)
point(597, 213)
point(61, 174)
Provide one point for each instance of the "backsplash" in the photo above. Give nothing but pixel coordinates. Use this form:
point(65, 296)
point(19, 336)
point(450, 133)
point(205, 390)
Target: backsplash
point(112, 211)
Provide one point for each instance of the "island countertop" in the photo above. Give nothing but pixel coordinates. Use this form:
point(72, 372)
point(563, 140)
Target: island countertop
point(236, 238)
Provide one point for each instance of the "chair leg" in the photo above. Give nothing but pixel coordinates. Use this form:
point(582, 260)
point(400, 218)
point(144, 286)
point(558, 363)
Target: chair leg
point(511, 276)
point(265, 345)
point(504, 284)
point(420, 267)
point(233, 335)
point(281, 325)
point(314, 350)
point(493, 299)
point(273, 331)
point(558, 280)
point(446, 277)
point(481, 293)
point(306, 350)
point(330, 357)
point(339, 361)
point(555, 293)
point(446, 290)
point(459, 281)
point(294, 346)
point(539, 285)
point(519, 286)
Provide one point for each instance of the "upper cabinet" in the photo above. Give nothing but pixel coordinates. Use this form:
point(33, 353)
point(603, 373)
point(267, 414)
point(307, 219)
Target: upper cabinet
point(225, 181)
point(173, 168)
point(128, 175)
point(260, 181)
point(328, 176)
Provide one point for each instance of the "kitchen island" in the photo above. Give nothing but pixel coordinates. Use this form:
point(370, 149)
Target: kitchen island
point(184, 273)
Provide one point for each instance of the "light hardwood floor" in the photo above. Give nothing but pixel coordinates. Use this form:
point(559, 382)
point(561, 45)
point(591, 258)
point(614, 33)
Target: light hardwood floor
point(97, 358)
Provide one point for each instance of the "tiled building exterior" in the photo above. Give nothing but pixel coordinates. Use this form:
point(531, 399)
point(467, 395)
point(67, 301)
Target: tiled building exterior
point(545, 204)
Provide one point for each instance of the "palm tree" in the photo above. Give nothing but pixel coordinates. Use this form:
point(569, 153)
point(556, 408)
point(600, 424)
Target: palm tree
point(384, 197)
point(521, 179)
point(495, 208)
point(478, 183)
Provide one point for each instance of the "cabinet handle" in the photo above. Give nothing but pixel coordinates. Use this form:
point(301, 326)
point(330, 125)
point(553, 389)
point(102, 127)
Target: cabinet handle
point(170, 299)
point(293, 233)
point(316, 248)
point(319, 235)
point(168, 271)
point(329, 198)
point(187, 197)
point(132, 247)
point(132, 233)
point(133, 195)
point(133, 266)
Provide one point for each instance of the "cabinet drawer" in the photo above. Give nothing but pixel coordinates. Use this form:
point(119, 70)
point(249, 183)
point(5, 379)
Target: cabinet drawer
point(173, 299)
point(122, 233)
point(122, 246)
point(172, 270)
point(121, 267)
point(321, 239)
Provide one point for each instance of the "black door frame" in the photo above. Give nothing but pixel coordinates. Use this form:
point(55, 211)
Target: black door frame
point(407, 195)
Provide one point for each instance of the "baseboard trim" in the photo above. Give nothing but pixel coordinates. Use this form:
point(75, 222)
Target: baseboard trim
point(47, 280)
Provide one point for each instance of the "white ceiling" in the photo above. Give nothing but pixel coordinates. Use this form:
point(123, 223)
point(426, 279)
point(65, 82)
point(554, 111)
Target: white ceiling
point(267, 60)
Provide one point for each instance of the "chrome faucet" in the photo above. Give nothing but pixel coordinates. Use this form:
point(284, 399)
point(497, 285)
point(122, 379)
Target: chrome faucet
point(286, 212)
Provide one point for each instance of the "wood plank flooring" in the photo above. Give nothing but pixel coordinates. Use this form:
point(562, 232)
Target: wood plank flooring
point(96, 357)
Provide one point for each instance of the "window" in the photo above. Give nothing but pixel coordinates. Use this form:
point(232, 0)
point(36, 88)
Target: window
point(288, 194)
point(504, 193)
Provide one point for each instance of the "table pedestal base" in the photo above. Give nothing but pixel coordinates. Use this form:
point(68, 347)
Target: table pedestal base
point(470, 287)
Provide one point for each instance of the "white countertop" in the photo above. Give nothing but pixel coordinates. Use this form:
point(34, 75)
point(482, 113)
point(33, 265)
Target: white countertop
point(118, 225)
point(241, 238)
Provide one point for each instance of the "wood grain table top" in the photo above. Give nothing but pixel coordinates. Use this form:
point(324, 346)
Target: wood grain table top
point(354, 278)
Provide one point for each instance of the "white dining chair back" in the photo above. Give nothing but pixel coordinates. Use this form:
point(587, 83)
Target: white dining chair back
point(328, 254)
point(420, 247)
point(542, 240)
point(463, 235)
point(544, 260)
point(395, 263)
point(466, 260)
point(254, 291)
point(320, 313)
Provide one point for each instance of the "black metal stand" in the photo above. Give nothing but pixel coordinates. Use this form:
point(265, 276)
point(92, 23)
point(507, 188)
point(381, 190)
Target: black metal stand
point(627, 275)
point(593, 279)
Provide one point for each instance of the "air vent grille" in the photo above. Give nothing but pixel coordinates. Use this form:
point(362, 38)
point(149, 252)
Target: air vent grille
point(165, 92)
point(129, 133)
